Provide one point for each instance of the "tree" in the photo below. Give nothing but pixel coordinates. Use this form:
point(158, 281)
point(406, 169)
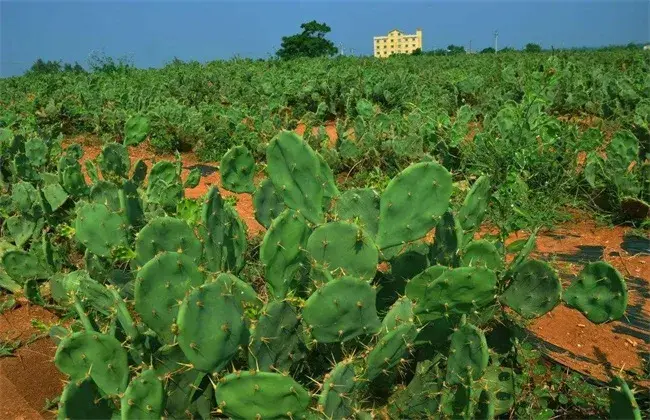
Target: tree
point(488, 50)
point(310, 43)
point(533, 48)
point(417, 51)
point(45, 67)
point(455, 49)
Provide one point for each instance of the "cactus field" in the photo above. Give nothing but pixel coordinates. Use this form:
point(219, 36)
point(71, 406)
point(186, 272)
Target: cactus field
point(414, 238)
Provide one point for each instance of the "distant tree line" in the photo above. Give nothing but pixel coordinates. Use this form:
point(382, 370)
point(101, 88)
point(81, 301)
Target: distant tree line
point(97, 63)
point(528, 48)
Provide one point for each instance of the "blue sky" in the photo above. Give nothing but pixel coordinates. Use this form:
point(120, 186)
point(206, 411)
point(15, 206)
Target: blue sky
point(151, 33)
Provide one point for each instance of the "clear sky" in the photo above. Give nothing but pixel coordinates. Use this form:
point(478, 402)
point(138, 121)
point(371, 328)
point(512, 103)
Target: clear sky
point(151, 33)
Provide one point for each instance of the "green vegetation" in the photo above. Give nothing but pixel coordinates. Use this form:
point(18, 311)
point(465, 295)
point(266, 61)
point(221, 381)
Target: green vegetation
point(177, 311)
point(171, 319)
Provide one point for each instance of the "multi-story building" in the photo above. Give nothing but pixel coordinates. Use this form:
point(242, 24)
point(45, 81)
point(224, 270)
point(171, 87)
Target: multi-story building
point(397, 42)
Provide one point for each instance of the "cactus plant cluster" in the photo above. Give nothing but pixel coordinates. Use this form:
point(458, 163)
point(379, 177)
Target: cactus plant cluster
point(169, 325)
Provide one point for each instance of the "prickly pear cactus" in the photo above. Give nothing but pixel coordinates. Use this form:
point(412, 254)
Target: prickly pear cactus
point(599, 293)
point(139, 172)
point(468, 355)
point(341, 310)
point(160, 284)
point(392, 349)
point(283, 251)
point(167, 234)
point(114, 161)
point(481, 253)
point(82, 400)
point(268, 203)
point(294, 169)
point(472, 212)
point(20, 229)
point(99, 229)
point(99, 356)
point(463, 290)
point(344, 249)
point(144, 397)
point(276, 342)
point(193, 178)
point(336, 399)
point(360, 206)
point(136, 129)
point(448, 241)
point(622, 402)
point(211, 327)
point(250, 395)
point(412, 203)
point(237, 170)
point(534, 289)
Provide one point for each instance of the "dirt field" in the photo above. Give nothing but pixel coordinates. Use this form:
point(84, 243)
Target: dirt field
point(29, 378)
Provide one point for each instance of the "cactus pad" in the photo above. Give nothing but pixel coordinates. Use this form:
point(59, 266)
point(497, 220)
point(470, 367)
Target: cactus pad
point(261, 395)
point(139, 172)
point(481, 253)
point(55, 196)
point(73, 181)
point(341, 310)
point(91, 170)
point(243, 292)
point(237, 170)
point(416, 287)
point(193, 178)
point(24, 198)
point(99, 229)
point(294, 169)
point(400, 313)
point(160, 285)
point(21, 265)
point(360, 206)
point(20, 229)
point(167, 234)
point(448, 241)
point(459, 291)
point(468, 354)
point(222, 233)
point(335, 399)
point(599, 292)
point(390, 350)
point(106, 193)
point(282, 251)
point(81, 400)
point(163, 171)
point(623, 405)
point(344, 249)
point(275, 339)
point(210, 327)
point(36, 152)
point(485, 406)
point(131, 205)
point(268, 203)
point(412, 203)
point(534, 289)
point(99, 356)
point(136, 129)
point(114, 161)
point(144, 397)
point(473, 209)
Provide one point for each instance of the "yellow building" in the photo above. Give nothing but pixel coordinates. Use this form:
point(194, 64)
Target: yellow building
point(397, 42)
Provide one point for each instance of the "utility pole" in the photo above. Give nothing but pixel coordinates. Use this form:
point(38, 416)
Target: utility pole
point(496, 41)
point(470, 46)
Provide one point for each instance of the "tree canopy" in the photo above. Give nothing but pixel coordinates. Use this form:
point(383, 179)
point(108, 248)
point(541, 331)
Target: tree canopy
point(310, 42)
point(534, 48)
